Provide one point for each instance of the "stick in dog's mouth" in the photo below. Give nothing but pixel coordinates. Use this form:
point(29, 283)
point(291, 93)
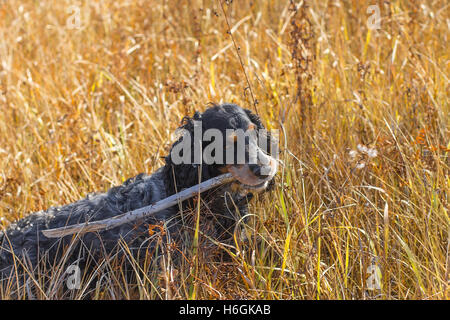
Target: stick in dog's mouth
point(239, 173)
point(107, 224)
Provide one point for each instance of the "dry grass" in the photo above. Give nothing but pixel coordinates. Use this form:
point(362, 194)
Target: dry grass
point(85, 108)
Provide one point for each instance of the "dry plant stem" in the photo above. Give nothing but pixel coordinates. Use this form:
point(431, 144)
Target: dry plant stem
point(140, 213)
point(239, 57)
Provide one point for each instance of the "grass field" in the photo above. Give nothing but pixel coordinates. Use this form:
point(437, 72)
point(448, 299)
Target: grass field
point(91, 91)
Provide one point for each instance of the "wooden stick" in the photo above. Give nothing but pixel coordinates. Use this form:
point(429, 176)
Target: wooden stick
point(140, 213)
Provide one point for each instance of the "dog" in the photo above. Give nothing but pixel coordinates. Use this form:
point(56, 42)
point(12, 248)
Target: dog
point(23, 247)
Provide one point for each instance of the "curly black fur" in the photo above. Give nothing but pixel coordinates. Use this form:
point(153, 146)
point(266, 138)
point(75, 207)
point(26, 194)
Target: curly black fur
point(23, 246)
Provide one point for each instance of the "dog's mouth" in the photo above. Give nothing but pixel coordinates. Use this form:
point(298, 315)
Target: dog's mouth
point(255, 189)
point(258, 186)
point(249, 180)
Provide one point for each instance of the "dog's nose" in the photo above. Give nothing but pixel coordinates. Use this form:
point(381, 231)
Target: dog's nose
point(256, 169)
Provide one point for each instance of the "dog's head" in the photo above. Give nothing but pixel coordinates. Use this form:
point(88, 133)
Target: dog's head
point(224, 138)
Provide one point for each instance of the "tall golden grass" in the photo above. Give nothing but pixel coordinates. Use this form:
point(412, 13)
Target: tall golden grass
point(92, 90)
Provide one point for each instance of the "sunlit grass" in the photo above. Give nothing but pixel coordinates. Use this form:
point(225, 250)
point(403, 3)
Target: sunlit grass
point(364, 179)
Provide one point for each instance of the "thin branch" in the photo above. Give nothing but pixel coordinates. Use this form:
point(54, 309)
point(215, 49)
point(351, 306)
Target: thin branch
point(240, 59)
point(140, 213)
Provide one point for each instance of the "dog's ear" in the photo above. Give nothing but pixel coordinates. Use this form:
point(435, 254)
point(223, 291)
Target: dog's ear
point(185, 175)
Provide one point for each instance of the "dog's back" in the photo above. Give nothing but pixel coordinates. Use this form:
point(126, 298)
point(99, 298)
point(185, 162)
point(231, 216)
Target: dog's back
point(23, 247)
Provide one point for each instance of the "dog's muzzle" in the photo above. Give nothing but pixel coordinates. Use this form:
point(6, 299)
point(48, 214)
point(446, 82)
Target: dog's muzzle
point(255, 177)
